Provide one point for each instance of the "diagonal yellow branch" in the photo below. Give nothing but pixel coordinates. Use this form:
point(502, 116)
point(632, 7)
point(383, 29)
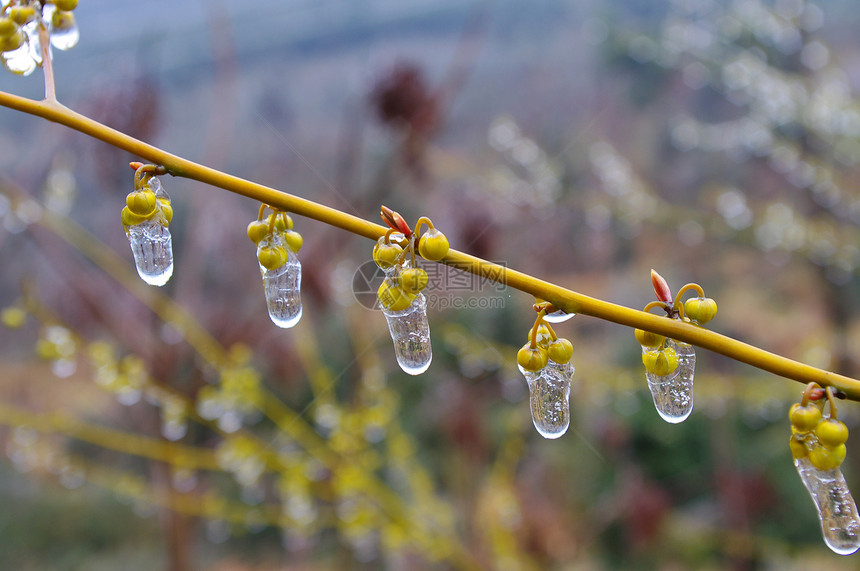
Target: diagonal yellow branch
point(560, 297)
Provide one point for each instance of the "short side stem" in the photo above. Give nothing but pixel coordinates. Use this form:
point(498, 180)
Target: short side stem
point(47, 64)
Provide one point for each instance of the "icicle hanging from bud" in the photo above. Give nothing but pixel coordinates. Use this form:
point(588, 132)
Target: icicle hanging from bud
point(146, 218)
point(63, 28)
point(400, 297)
point(277, 246)
point(669, 372)
point(21, 24)
point(409, 328)
point(549, 398)
point(818, 447)
point(670, 365)
point(545, 362)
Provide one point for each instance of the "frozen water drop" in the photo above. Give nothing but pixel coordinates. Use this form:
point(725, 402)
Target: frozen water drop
point(410, 332)
point(673, 393)
point(128, 396)
point(558, 316)
point(184, 480)
point(152, 247)
point(66, 37)
point(840, 523)
point(174, 430)
point(64, 368)
point(549, 398)
point(19, 61)
point(283, 289)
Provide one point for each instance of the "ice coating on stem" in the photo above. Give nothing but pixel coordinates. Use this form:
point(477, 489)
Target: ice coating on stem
point(673, 393)
point(410, 332)
point(549, 398)
point(283, 287)
point(557, 316)
point(840, 523)
point(152, 247)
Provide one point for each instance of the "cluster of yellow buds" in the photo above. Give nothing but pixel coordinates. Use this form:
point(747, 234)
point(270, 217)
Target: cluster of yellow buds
point(20, 24)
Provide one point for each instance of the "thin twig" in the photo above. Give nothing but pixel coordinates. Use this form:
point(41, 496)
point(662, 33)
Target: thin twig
point(564, 299)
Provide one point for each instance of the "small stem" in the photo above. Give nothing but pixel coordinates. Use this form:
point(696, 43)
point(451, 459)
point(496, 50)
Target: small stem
point(263, 208)
point(139, 173)
point(47, 64)
point(533, 332)
point(834, 414)
point(694, 286)
point(552, 334)
point(807, 393)
point(421, 221)
point(653, 304)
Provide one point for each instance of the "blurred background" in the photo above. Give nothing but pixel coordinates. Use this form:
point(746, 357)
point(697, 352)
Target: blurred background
point(583, 142)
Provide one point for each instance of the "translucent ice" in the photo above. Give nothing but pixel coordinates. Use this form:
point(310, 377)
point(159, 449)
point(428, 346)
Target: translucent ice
point(840, 523)
point(557, 316)
point(673, 393)
point(19, 61)
point(152, 247)
point(283, 288)
point(64, 31)
point(410, 332)
point(549, 397)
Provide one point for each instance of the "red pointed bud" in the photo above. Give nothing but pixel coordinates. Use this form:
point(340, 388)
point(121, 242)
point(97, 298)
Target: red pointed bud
point(395, 221)
point(661, 288)
point(816, 394)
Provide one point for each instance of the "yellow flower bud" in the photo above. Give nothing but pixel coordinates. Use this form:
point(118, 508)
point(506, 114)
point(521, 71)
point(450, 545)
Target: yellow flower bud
point(532, 358)
point(648, 339)
point(661, 362)
point(433, 245)
point(700, 309)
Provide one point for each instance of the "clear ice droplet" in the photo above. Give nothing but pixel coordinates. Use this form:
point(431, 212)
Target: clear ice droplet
point(65, 38)
point(19, 61)
point(549, 398)
point(283, 289)
point(840, 523)
point(558, 316)
point(174, 430)
point(152, 247)
point(410, 332)
point(673, 393)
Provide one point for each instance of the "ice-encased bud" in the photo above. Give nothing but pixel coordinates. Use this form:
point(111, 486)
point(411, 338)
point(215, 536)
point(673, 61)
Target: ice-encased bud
point(152, 247)
point(557, 316)
point(410, 332)
point(282, 285)
point(549, 398)
point(151, 242)
point(64, 30)
point(19, 61)
point(840, 523)
point(673, 393)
